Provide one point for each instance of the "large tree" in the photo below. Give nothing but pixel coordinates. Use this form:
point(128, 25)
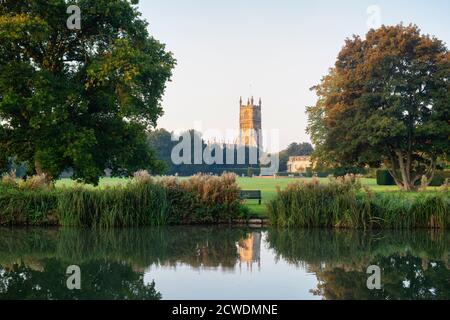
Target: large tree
point(386, 101)
point(81, 99)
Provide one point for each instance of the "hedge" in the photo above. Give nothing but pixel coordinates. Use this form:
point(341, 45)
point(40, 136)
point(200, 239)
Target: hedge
point(384, 178)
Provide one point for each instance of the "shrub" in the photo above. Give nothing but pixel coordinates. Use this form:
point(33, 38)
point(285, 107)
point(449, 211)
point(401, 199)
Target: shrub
point(343, 171)
point(203, 198)
point(144, 201)
point(439, 178)
point(142, 176)
point(39, 181)
point(384, 178)
point(9, 179)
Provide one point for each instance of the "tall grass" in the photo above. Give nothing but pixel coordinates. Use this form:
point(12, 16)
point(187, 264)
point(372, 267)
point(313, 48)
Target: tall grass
point(399, 211)
point(25, 207)
point(134, 205)
point(204, 198)
point(144, 201)
point(343, 204)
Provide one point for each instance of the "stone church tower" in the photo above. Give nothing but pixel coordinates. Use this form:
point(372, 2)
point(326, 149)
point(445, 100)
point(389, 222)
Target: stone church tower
point(250, 127)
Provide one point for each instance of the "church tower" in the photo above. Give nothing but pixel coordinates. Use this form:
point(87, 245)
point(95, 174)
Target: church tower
point(250, 127)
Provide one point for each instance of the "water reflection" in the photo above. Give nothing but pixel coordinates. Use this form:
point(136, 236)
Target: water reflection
point(210, 262)
point(414, 265)
point(46, 279)
point(250, 250)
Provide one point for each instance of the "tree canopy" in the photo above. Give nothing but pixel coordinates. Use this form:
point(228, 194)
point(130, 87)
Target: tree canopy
point(81, 99)
point(386, 101)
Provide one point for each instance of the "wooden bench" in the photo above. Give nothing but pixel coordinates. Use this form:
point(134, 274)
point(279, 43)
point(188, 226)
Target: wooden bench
point(251, 195)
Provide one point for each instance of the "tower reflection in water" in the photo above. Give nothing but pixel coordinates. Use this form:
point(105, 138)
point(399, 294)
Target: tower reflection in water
point(249, 250)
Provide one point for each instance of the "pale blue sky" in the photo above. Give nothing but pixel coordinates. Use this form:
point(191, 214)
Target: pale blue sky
point(273, 49)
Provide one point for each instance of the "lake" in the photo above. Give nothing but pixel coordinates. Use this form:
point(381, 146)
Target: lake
point(223, 263)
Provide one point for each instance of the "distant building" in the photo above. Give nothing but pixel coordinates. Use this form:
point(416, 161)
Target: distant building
point(250, 124)
point(299, 164)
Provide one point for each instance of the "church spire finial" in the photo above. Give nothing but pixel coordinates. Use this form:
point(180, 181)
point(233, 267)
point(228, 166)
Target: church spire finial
point(260, 102)
point(240, 101)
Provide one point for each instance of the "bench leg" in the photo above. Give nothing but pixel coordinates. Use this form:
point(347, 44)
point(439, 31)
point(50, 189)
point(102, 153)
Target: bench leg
point(259, 201)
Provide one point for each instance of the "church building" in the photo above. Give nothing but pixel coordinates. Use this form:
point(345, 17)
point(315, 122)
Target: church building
point(250, 125)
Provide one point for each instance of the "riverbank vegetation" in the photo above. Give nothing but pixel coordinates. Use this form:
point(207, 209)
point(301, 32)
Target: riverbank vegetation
point(344, 203)
point(142, 201)
point(348, 202)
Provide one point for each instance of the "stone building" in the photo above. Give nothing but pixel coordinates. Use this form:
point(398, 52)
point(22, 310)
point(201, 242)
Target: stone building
point(299, 164)
point(250, 125)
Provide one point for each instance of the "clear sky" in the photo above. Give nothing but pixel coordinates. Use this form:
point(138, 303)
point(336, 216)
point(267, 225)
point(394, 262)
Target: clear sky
point(276, 50)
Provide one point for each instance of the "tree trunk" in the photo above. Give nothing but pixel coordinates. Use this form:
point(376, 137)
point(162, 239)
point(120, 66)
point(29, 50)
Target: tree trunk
point(402, 171)
point(405, 171)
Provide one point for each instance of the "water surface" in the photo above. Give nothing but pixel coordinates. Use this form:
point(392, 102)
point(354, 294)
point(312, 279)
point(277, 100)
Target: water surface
point(223, 263)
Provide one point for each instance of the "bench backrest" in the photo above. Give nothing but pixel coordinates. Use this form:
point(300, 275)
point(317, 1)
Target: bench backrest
point(251, 194)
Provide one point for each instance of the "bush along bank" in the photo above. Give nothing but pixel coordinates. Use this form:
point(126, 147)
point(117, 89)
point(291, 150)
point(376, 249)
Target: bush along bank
point(144, 201)
point(343, 203)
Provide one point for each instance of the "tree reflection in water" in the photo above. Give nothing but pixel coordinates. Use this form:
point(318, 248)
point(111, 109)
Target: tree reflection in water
point(33, 262)
point(414, 265)
point(113, 262)
point(100, 280)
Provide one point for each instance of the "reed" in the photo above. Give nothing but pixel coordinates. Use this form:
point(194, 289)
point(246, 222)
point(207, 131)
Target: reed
point(134, 205)
point(26, 207)
point(144, 201)
point(343, 204)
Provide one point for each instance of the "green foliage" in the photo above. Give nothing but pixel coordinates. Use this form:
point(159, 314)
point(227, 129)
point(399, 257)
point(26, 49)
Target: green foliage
point(384, 178)
point(161, 142)
point(440, 177)
point(141, 202)
point(386, 101)
point(79, 99)
point(28, 207)
point(341, 204)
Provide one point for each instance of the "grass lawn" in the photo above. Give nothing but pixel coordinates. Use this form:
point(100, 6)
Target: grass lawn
point(268, 187)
